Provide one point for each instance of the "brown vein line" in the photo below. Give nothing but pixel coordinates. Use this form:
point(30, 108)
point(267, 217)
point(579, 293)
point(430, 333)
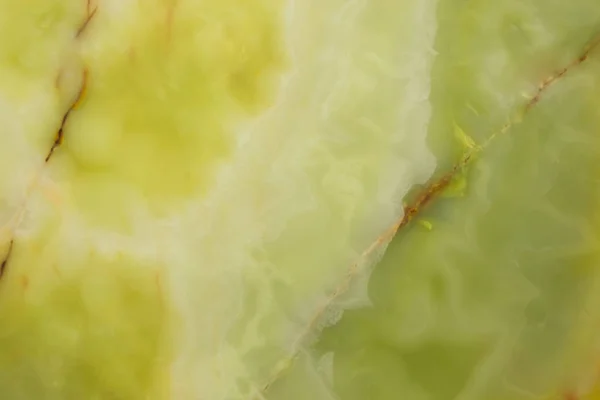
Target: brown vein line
point(58, 140)
point(6, 258)
point(60, 133)
point(545, 84)
point(86, 22)
point(430, 193)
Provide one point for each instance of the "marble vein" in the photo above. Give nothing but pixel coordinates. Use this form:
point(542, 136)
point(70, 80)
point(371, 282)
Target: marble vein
point(6, 258)
point(431, 193)
point(58, 140)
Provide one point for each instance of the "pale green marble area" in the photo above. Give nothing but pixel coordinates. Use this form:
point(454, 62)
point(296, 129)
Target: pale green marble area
point(213, 223)
point(496, 296)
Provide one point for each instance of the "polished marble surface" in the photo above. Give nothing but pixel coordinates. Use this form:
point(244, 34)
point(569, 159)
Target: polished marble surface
point(197, 199)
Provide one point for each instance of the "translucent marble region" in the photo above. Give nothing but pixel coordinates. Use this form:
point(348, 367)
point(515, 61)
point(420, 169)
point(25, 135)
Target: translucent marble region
point(299, 199)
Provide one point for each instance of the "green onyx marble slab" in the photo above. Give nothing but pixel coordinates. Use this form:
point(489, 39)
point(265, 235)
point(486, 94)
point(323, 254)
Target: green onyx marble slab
point(318, 199)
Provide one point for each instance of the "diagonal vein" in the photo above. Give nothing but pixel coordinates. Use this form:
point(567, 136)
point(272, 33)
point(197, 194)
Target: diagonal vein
point(4, 262)
point(15, 221)
point(430, 193)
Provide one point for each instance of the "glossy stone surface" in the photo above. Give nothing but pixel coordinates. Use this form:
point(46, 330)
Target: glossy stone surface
point(195, 196)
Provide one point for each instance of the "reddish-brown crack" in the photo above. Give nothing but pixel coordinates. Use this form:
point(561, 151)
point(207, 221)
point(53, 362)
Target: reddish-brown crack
point(430, 193)
point(425, 198)
point(6, 258)
point(89, 16)
point(437, 186)
point(60, 133)
point(546, 83)
point(90, 12)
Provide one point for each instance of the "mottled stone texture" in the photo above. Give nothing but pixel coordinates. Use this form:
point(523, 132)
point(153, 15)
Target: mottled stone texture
point(312, 200)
